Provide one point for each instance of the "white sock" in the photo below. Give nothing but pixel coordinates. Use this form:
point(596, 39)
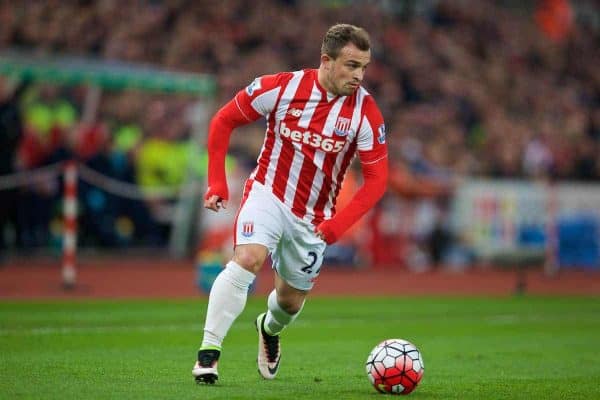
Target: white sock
point(226, 302)
point(277, 318)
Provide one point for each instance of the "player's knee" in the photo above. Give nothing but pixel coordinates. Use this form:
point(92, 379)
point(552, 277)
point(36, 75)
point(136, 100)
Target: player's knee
point(248, 260)
point(250, 256)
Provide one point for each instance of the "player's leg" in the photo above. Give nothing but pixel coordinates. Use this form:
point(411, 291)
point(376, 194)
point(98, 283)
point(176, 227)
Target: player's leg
point(297, 262)
point(283, 307)
point(226, 302)
point(230, 290)
point(257, 232)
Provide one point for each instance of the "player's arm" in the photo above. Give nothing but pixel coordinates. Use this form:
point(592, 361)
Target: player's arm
point(372, 151)
point(247, 106)
point(373, 188)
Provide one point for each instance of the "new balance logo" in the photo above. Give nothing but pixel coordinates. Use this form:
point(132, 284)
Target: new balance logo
point(294, 112)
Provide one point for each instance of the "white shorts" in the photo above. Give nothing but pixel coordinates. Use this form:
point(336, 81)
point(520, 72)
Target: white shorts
point(296, 252)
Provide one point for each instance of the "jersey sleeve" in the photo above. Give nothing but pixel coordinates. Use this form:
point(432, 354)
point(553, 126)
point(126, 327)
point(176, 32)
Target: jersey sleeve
point(260, 96)
point(372, 151)
point(371, 143)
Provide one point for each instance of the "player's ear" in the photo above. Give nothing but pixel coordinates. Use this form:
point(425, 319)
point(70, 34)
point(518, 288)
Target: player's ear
point(326, 60)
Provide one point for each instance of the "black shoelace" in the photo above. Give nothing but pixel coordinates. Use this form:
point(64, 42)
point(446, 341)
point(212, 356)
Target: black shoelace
point(208, 357)
point(272, 343)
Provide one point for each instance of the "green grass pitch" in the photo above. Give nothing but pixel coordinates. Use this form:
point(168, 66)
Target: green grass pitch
point(473, 348)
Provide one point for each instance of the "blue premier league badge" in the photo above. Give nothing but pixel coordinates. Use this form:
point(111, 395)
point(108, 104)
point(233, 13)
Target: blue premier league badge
point(255, 85)
point(381, 134)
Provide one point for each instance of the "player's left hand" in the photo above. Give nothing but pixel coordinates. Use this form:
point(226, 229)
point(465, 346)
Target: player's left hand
point(320, 235)
point(326, 232)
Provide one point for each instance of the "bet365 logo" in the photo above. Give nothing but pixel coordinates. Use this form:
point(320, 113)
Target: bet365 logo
point(326, 144)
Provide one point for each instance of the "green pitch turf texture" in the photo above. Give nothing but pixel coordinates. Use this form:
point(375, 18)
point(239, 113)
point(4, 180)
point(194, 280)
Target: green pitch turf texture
point(474, 348)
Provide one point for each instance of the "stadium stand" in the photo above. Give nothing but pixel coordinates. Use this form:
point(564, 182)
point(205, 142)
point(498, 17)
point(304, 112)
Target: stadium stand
point(485, 89)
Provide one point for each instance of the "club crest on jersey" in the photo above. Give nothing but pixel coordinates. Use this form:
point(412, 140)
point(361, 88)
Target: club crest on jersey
point(248, 228)
point(381, 135)
point(342, 126)
point(255, 85)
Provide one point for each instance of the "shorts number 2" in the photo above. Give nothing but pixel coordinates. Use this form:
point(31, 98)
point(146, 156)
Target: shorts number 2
point(309, 267)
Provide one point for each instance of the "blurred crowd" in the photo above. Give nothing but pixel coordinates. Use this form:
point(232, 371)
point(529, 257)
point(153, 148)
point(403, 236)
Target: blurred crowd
point(488, 88)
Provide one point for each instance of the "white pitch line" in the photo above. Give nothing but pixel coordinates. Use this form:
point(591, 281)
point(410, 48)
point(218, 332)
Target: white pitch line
point(70, 330)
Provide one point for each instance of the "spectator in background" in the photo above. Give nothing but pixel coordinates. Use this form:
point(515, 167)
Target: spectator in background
point(476, 66)
point(11, 130)
point(492, 89)
point(555, 18)
point(48, 119)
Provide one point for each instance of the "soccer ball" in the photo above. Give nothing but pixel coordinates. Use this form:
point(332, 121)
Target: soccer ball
point(395, 366)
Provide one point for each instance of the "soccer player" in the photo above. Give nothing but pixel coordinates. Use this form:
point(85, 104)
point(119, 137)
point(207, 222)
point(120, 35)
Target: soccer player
point(317, 121)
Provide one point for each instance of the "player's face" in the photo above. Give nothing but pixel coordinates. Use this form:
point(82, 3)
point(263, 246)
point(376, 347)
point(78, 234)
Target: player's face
point(345, 74)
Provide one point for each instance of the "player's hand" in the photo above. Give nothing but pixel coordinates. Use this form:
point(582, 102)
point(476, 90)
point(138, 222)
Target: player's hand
point(215, 203)
point(320, 235)
point(216, 197)
point(326, 232)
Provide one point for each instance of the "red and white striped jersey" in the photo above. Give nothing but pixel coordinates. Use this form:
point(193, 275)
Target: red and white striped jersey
point(311, 138)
